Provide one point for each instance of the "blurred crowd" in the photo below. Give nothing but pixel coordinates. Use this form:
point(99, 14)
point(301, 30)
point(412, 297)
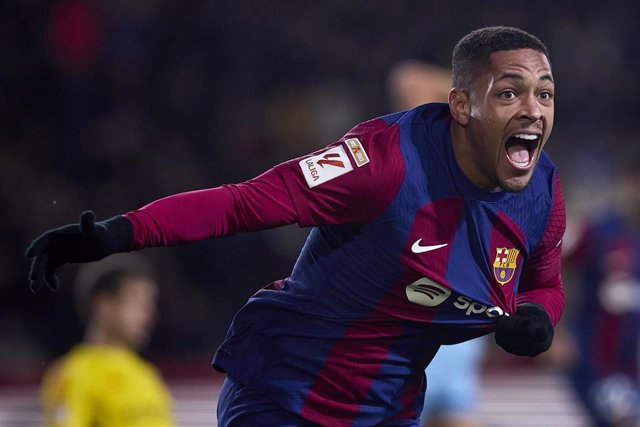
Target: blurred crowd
point(110, 104)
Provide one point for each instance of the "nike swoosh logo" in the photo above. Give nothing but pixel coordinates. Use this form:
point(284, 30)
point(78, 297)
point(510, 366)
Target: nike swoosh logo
point(418, 249)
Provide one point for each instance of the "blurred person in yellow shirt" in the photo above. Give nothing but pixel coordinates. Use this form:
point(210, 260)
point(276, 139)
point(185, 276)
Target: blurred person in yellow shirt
point(103, 381)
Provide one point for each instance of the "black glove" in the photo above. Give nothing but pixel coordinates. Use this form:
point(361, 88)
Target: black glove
point(527, 333)
point(87, 241)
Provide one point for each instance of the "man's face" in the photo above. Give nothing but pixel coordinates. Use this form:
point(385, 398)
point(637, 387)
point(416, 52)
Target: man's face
point(510, 120)
point(134, 311)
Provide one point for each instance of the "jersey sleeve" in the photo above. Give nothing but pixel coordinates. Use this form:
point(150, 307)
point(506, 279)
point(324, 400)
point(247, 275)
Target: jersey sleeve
point(541, 281)
point(350, 181)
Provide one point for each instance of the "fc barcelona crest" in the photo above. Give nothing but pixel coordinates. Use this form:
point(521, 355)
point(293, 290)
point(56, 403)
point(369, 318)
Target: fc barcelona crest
point(505, 264)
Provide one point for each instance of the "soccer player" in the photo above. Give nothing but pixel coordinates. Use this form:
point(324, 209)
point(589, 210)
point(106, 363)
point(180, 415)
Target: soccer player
point(430, 226)
point(103, 381)
point(606, 328)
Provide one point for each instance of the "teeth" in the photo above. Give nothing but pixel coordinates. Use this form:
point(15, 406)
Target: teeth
point(526, 136)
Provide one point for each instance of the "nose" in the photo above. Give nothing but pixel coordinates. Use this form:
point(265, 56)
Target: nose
point(531, 108)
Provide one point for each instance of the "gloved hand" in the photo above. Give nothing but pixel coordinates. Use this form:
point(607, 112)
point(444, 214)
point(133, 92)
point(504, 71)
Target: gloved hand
point(83, 242)
point(529, 332)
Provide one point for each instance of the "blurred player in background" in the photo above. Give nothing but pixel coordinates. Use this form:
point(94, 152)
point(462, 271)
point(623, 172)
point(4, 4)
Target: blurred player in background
point(103, 381)
point(453, 385)
point(432, 226)
point(606, 328)
point(453, 376)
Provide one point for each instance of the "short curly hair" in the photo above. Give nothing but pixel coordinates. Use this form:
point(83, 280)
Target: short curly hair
point(472, 52)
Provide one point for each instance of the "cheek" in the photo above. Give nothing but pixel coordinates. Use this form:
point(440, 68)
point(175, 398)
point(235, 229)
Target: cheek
point(133, 315)
point(549, 115)
point(493, 140)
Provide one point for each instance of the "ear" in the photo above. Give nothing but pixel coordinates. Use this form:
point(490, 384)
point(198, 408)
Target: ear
point(460, 106)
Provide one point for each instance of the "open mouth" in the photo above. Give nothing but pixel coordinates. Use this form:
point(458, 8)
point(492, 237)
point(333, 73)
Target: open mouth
point(521, 149)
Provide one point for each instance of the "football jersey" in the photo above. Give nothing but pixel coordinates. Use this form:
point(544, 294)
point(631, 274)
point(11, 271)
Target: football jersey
point(607, 327)
point(103, 386)
point(405, 254)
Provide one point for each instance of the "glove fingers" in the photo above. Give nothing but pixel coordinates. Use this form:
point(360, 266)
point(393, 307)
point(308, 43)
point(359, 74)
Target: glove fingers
point(38, 266)
point(37, 272)
point(43, 271)
point(87, 223)
point(52, 281)
point(528, 333)
point(541, 333)
point(38, 246)
point(507, 322)
point(35, 285)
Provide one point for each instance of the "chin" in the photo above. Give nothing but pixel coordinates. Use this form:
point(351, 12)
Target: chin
point(516, 184)
point(138, 342)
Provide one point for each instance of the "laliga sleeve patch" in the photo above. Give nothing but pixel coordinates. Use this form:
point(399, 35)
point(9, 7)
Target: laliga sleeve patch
point(326, 166)
point(357, 151)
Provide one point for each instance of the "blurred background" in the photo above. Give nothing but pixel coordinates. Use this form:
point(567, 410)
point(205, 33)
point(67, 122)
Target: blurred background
point(108, 105)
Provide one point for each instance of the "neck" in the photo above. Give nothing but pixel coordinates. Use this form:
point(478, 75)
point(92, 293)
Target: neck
point(98, 335)
point(463, 152)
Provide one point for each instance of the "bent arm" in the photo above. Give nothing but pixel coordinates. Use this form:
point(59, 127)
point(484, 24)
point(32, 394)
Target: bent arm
point(541, 281)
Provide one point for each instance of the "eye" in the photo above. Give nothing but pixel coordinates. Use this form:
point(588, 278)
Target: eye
point(507, 94)
point(546, 96)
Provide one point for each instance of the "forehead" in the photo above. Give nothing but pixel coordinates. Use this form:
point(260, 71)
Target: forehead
point(138, 287)
point(519, 61)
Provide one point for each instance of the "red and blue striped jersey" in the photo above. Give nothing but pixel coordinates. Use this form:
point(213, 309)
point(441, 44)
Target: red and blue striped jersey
point(405, 254)
point(607, 320)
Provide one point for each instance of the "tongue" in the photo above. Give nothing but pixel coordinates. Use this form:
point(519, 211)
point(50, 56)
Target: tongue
point(518, 153)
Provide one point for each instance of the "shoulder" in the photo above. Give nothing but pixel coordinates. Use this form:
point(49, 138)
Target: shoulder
point(74, 363)
point(423, 132)
point(70, 370)
point(545, 182)
point(137, 362)
point(545, 204)
point(395, 136)
point(424, 114)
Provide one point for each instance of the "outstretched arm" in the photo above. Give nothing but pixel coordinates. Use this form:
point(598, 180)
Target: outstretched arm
point(261, 203)
point(331, 186)
point(186, 217)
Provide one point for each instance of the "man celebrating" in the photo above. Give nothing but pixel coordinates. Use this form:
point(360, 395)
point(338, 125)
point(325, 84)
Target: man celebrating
point(430, 226)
